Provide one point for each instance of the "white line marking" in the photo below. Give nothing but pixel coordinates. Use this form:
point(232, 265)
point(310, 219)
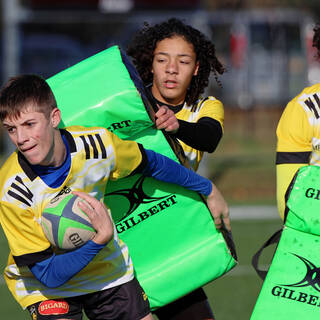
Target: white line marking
point(253, 212)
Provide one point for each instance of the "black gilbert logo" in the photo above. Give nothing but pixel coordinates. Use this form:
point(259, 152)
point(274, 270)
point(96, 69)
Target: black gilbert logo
point(294, 291)
point(312, 277)
point(135, 195)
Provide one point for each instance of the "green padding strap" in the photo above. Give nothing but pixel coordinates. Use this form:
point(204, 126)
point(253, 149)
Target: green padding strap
point(292, 286)
point(169, 230)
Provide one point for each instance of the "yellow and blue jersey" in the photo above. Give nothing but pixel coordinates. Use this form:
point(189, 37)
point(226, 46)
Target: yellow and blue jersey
point(97, 155)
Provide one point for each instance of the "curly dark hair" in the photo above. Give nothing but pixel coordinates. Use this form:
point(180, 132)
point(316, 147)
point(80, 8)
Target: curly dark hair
point(316, 38)
point(142, 47)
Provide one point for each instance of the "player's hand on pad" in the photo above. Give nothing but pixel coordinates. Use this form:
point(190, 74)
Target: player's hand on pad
point(166, 119)
point(218, 208)
point(99, 216)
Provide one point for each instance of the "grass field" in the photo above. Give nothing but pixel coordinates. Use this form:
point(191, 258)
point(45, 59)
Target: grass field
point(234, 295)
point(243, 168)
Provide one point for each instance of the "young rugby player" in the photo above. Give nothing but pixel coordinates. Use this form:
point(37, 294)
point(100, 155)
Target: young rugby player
point(298, 134)
point(97, 277)
point(175, 60)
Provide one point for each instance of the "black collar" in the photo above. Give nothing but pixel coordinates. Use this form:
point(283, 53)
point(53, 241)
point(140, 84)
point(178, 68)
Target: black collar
point(175, 108)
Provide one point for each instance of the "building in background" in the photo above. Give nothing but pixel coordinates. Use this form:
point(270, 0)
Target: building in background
point(267, 53)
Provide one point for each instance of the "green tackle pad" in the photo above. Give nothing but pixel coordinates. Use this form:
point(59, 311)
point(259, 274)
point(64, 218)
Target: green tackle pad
point(291, 289)
point(169, 230)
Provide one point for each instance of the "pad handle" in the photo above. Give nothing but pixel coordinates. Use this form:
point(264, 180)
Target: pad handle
point(255, 259)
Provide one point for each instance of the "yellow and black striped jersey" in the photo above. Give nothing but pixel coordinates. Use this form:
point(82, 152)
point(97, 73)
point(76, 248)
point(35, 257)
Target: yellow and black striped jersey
point(209, 107)
point(96, 156)
point(298, 139)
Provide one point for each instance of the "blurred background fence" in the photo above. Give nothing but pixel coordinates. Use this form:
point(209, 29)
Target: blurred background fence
point(266, 47)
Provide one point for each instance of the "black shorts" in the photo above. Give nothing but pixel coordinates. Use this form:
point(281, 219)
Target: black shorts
point(125, 302)
point(193, 306)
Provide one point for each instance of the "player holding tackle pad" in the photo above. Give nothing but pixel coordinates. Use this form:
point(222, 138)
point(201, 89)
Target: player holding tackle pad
point(49, 161)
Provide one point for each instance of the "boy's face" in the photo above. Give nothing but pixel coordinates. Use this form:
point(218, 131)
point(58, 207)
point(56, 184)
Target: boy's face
point(34, 135)
point(174, 65)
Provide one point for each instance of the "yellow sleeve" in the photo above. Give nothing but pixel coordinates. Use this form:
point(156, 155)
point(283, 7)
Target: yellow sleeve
point(127, 157)
point(294, 135)
point(22, 230)
point(212, 108)
point(285, 173)
point(294, 132)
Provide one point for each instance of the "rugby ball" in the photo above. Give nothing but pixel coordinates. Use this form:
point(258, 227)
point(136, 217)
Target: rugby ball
point(64, 224)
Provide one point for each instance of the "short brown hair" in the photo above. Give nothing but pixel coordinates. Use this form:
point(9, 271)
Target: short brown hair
point(23, 91)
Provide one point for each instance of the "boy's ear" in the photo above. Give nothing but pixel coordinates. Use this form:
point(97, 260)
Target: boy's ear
point(55, 117)
point(195, 73)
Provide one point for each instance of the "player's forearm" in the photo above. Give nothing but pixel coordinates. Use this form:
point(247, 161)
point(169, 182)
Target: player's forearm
point(219, 209)
point(203, 135)
point(167, 170)
point(58, 269)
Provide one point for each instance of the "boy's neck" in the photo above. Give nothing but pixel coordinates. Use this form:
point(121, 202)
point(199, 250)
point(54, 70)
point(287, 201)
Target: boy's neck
point(59, 150)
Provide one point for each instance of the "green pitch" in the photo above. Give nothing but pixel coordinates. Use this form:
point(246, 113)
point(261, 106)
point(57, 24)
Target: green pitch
point(232, 295)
